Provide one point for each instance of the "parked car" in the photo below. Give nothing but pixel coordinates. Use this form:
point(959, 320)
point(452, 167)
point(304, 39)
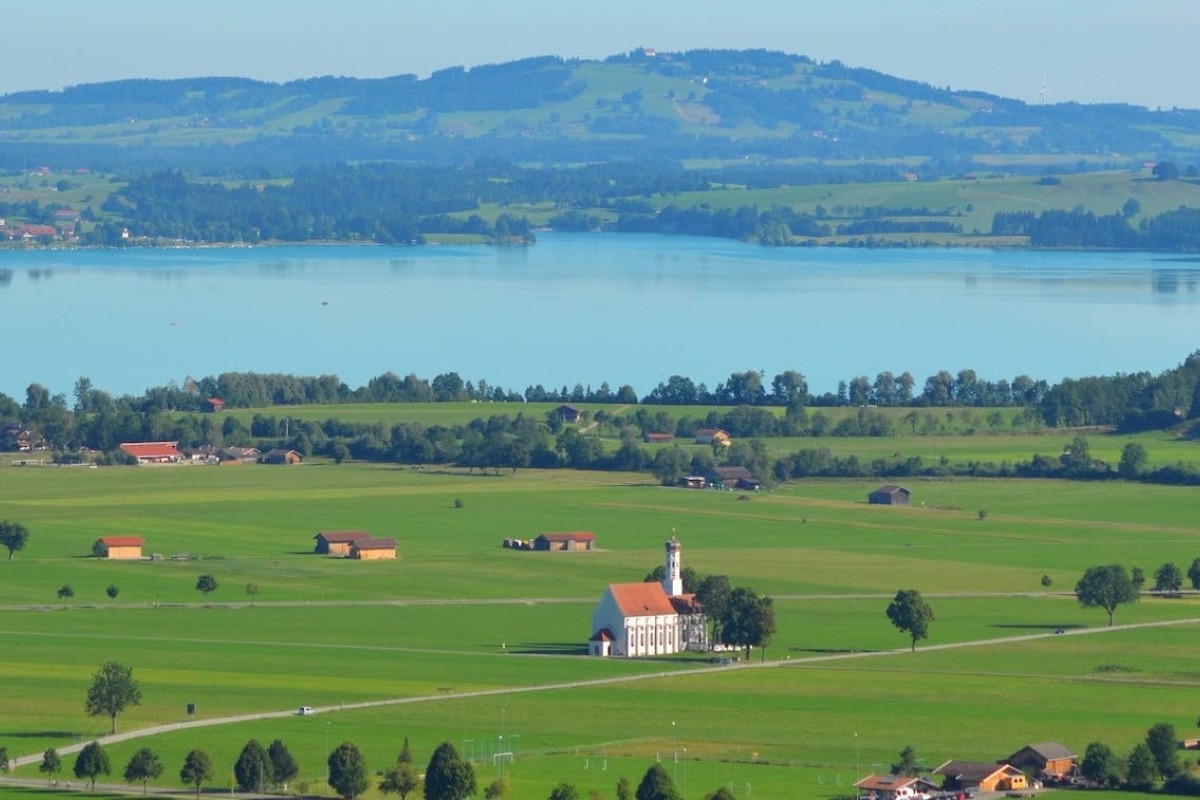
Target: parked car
point(305, 711)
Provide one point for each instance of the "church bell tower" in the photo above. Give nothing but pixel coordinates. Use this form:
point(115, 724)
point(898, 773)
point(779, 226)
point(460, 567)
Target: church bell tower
point(673, 582)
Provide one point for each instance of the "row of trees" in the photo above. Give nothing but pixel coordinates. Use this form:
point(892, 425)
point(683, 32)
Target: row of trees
point(1154, 759)
point(1111, 586)
point(1177, 230)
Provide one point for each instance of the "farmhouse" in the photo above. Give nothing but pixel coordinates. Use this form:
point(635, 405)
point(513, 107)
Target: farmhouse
point(337, 543)
point(153, 452)
point(579, 540)
point(984, 776)
point(281, 456)
point(1044, 759)
point(245, 455)
point(567, 413)
point(213, 405)
point(712, 436)
point(733, 478)
point(15, 437)
point(658, 438)
point(896, 787)
point(649, 619)
point(118, 547)
point(372, 549)
point(889, 496)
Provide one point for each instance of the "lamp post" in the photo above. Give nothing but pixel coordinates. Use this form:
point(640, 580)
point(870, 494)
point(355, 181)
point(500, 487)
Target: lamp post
point(674, 754)
point(325, 788)
point(856, 763)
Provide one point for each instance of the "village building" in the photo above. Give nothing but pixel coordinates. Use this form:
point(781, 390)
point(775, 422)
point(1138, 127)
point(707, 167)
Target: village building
point(713, 436)
point(153, 452)
point(281, 456)
point(658, 438)
point(982, 776)
point(118, 548)
point(889, 496)
point(372, 549)
point(567, 413)
point(896, 787)
point(338, 543)
point(649, 619)
point(733, 478)
point(579, 540)
point(244, 455)
point(16, 437)
point(1045, 760)
point(212, 405)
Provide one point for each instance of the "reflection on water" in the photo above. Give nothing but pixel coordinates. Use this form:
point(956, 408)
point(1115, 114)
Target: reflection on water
point(586, 308)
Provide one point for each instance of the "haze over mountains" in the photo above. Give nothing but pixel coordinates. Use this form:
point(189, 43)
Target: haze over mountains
point(700, 105)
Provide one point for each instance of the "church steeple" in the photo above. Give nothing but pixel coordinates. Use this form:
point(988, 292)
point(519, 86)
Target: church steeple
point(673, 582)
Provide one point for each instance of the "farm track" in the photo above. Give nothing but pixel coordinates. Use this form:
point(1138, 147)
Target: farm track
point(567, 685)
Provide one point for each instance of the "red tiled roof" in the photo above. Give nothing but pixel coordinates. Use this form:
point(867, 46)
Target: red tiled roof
point(685, 604)
point(577, 536)
point(121, 541)
point(340, 537)
point(152, 449)
point(375, 544)
point(642, 599)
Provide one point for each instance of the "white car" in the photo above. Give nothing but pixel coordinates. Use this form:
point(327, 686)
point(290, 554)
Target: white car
point(305, 711)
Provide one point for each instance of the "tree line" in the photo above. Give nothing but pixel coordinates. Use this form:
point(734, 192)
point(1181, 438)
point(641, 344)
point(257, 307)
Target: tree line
point(1177, 230)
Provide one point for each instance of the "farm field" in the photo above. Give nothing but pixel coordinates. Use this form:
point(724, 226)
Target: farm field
point(457, 614)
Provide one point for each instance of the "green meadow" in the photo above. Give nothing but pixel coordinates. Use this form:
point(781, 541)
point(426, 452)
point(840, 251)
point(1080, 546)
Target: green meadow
point(456, 613)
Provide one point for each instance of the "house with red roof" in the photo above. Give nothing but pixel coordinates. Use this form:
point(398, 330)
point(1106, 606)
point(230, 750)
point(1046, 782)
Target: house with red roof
point(153, 452)
point(118, 547)
point(649, 619)
point(896, 787)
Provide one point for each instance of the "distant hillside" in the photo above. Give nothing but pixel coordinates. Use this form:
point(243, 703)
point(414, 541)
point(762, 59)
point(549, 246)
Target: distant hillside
point(699, 105)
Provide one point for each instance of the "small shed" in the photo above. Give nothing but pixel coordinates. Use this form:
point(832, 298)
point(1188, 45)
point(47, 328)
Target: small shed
point(373, 549)
point(337, 543)
point(601, 643)
point(118, 548)
point(578, 540)
point(889, 496)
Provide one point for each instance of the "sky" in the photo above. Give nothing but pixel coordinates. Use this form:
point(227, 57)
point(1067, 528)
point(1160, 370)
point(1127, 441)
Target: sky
point(1133, 51)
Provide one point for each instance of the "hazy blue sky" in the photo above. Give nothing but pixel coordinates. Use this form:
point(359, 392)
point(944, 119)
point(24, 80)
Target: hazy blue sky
point(1137, 51)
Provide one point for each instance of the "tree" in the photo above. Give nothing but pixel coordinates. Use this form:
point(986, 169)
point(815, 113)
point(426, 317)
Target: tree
point(112, 591)
point(909, 612)
point(1161, 742)
point(113, 689)
point(1138, 578)
point(348, 771)
point(496, 790)
point(1140, 770)
point(564, 791)
point(401, 779)
point(143, 766)
point(1165, 171)
point(283, 765)
point(448, 777)
point(1047, 581)
point(907, 765)
point(51, 763)
point(1193, 573)
point(3, 759)
point(206, 584)
point(91, 763)
point(13, 535)
point(720, 794)
point(197, 768)
point(1130, 208)
point(405, 756)
point(749, 620)
point(657, 785)
point(252, 770)
point(1133, 460)
point(625, 788)
point(713, 596)
point(1106, 587)
point(252, 591)
point(65, 592)
point(1101, 765)
point(1168, 580)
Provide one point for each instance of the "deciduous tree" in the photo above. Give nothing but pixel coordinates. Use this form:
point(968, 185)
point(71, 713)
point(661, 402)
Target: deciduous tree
point(448, 777)
point(206, 584)
point(1140, 769)
point(1168, 580)
point(348, 771)
point(197, 768)
point(91, 763)
point(909, 612)
point(143, 766)
point(51, 763)
point(1100, 764)
point(1106, 587)
point(1163, 745)
point(252, 770)
point(496, 790)
point(13, 535)
point(401, 779)
point(564, 791)
point(1193, 573)
point(113, 689)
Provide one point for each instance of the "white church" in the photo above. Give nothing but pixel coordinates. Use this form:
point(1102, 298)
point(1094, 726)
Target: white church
point(649, 619)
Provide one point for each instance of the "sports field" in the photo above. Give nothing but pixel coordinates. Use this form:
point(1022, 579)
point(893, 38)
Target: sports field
point(837, 693)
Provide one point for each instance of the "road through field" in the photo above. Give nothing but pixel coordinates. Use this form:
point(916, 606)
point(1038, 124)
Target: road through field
point(450, 697)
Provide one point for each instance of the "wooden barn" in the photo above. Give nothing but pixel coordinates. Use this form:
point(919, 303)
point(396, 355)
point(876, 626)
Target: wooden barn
point(1045, 759)
point(579, 540)
point(567, 413)
point(373, 549)
point(281, 456)
point(889, 496)
point(713, 436)
point(153, 452)
point(118, 548)
point(337, 543)
point(984, 776)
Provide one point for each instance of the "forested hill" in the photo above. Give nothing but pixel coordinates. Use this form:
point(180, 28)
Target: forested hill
point(698, 104)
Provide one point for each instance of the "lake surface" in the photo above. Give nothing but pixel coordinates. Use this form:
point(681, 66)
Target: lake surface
point(587, 308)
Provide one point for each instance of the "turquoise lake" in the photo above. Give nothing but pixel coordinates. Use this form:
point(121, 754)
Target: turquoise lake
point(587, 308)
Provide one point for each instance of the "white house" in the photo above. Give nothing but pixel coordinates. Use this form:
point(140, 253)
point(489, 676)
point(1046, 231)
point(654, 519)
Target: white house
point(649, 619)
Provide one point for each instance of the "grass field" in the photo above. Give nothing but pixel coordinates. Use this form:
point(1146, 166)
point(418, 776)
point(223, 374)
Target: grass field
point(457, 613)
